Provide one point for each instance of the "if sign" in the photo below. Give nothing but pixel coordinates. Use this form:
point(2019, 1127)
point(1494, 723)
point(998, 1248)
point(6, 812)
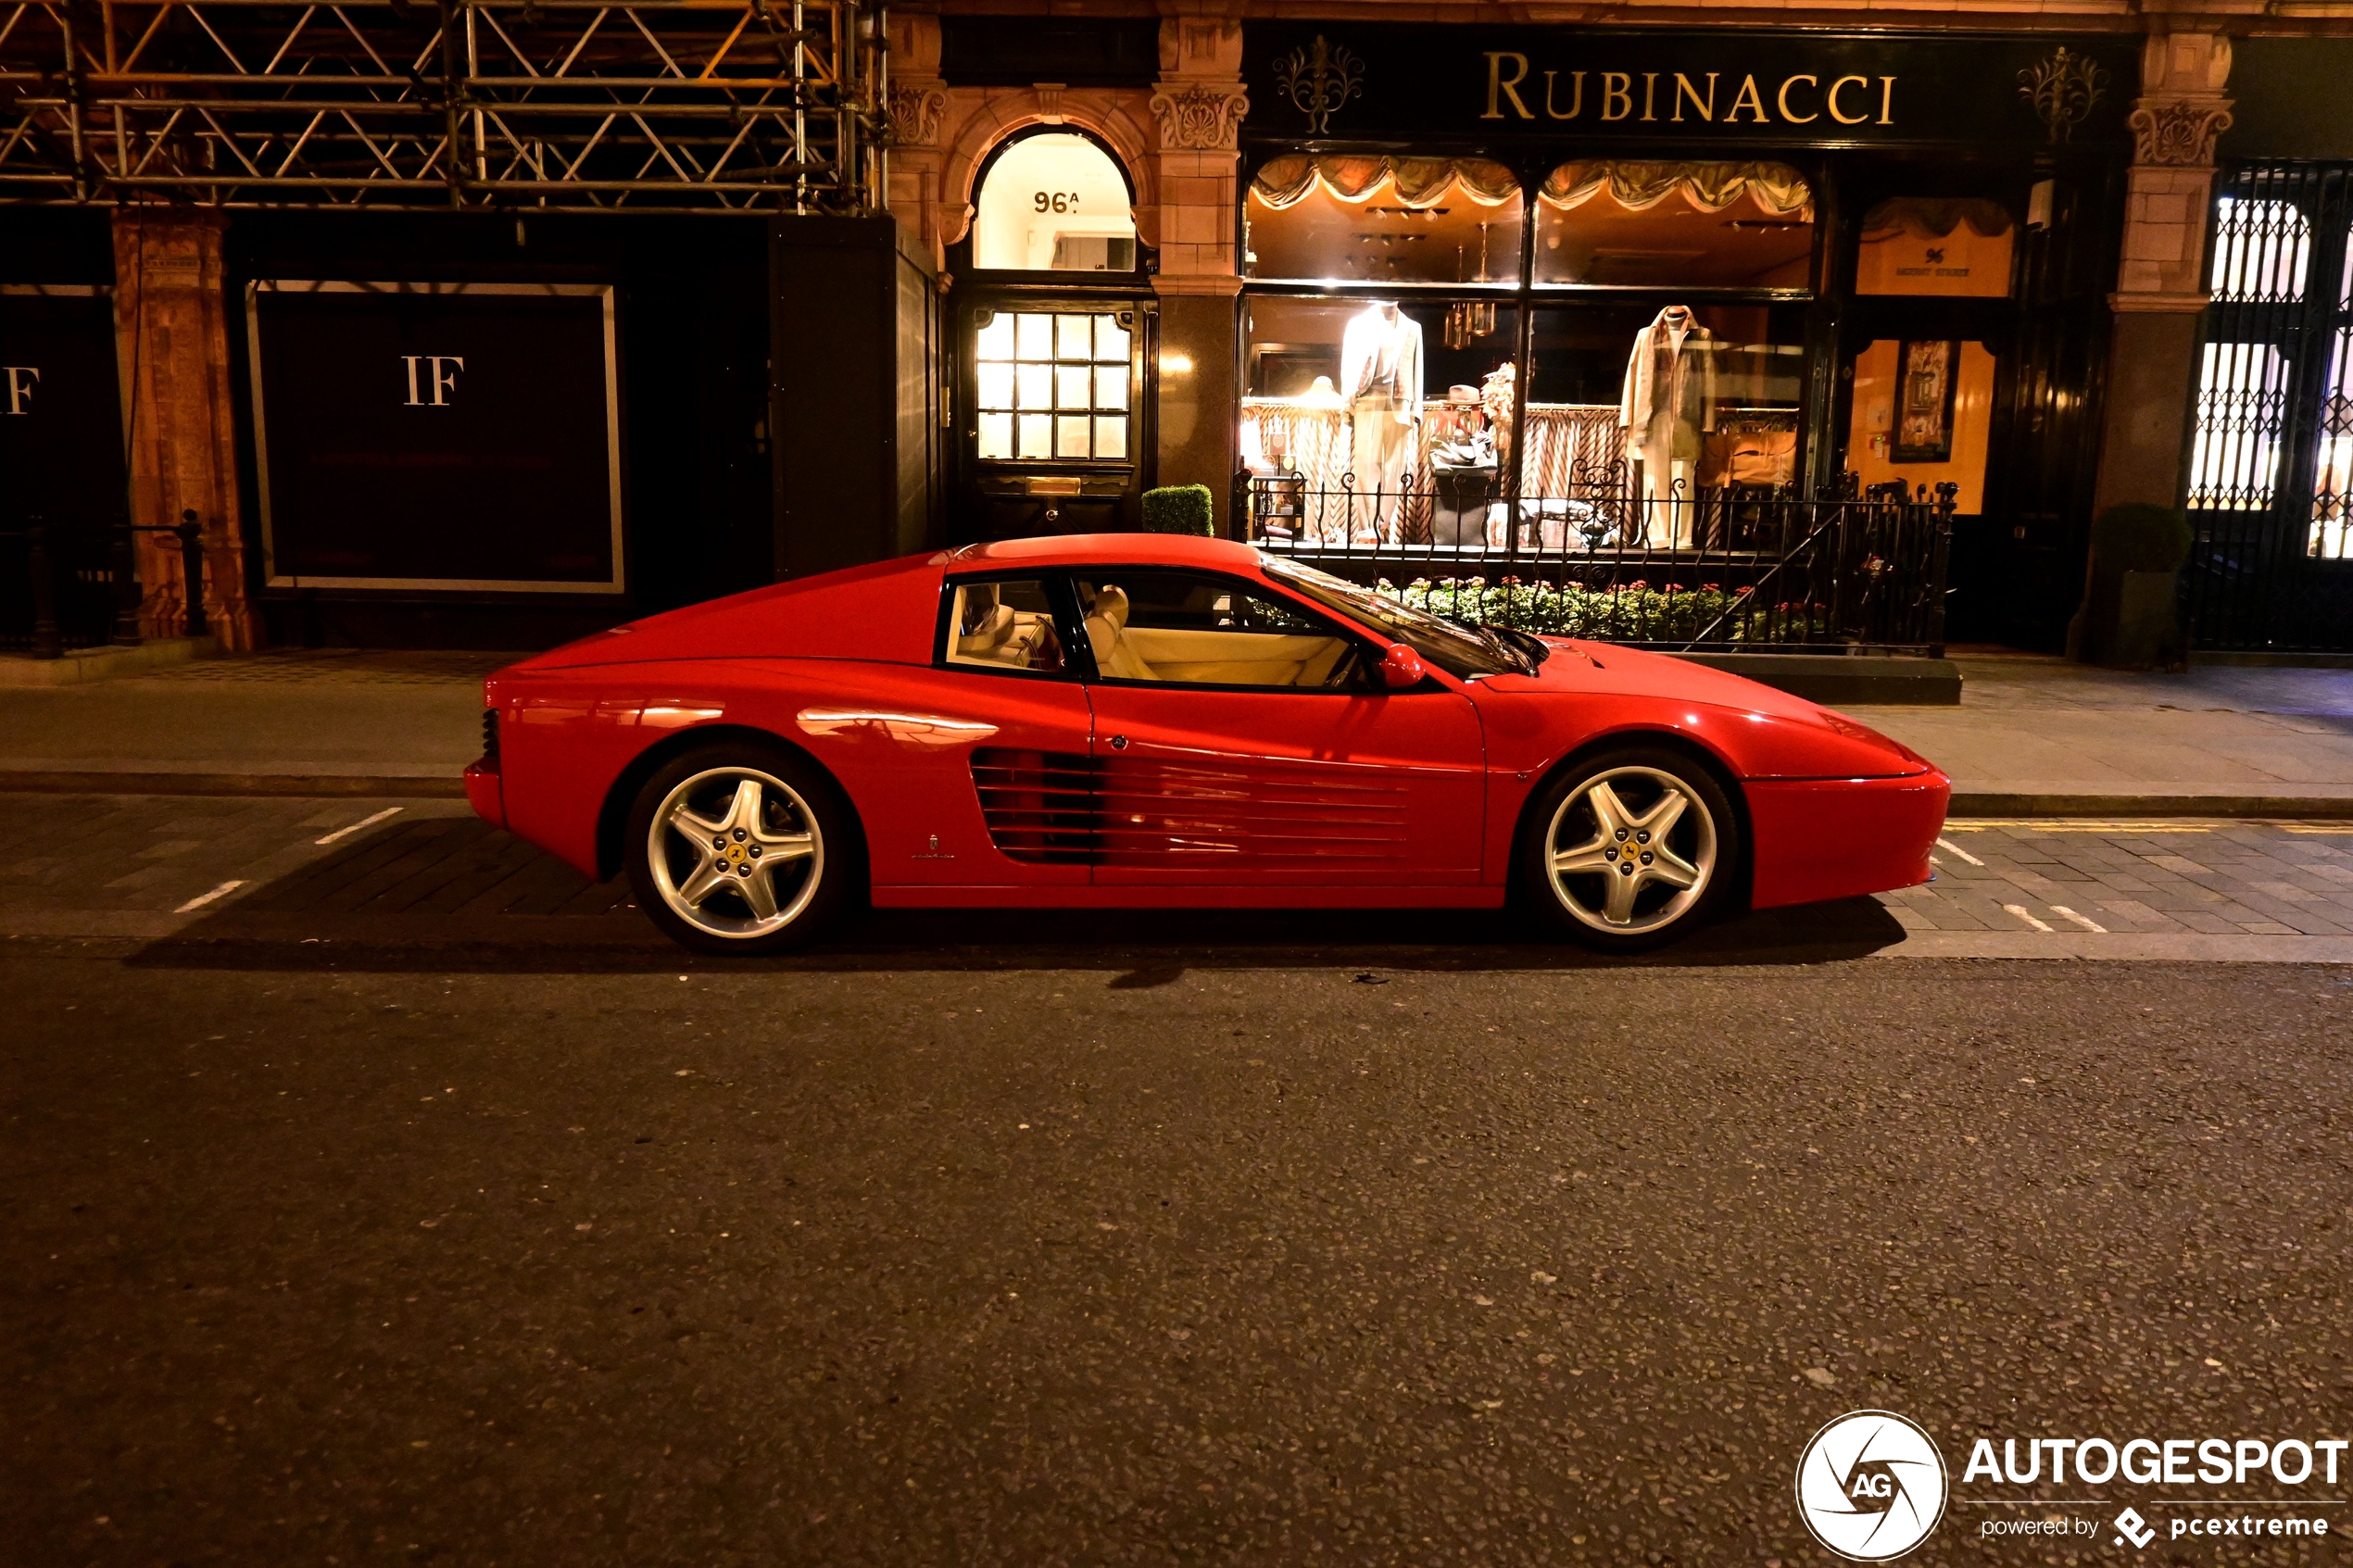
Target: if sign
point(440, 379)
point(18, 382)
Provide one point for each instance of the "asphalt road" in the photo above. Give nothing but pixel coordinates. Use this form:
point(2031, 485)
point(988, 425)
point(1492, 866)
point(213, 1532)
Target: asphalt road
point(320, 1257)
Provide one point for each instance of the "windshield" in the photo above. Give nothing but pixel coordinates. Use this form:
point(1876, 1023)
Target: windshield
point(1462, 651)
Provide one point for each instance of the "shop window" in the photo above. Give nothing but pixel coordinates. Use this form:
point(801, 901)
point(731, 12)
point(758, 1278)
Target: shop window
point(1004, 626)
point(1054, 203)
point(1206, 631)
point(1660, 399)
point(1383, 219)
point(1719, 225)
point(1923, 415)
point(1383, 419)
point(1936, 246)
point(1053, 384)
point(2261, 250)
point(2242, 408)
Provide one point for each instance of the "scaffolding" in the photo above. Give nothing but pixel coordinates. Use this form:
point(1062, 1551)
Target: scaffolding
point(502, 105)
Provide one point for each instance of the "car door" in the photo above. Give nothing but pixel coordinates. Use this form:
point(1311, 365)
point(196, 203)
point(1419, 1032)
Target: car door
point(978, 767)
point(1242, 739)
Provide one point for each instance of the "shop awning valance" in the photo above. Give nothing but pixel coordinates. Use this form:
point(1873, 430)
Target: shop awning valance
point(1934, 217)
point(1710, 187)
point(1419, 182)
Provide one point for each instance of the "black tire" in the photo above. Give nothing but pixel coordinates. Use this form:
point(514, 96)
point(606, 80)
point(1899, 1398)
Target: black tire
point(803, 826)
point(1565, 820)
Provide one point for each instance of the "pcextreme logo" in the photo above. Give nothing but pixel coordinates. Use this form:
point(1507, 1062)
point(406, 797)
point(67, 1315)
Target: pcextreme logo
point(1870, 1486)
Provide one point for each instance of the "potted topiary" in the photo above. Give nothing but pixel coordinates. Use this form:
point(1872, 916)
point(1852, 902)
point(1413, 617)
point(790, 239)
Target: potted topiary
point(1179, 508)
point(2129, 619)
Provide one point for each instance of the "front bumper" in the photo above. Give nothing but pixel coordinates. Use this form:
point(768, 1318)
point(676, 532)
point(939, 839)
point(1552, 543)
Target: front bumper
point(1841, 838)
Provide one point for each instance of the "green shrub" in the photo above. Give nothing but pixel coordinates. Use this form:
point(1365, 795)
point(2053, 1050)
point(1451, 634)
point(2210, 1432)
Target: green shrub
point(1633, 613)
point(1179, 508)
point(2139, 536)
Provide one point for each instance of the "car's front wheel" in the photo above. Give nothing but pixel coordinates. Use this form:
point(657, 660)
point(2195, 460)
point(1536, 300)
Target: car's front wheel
point(739, 849)
point(1631, 849)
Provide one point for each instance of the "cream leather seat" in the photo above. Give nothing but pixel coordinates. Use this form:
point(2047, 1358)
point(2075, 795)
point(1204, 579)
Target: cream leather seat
point(1107, 633)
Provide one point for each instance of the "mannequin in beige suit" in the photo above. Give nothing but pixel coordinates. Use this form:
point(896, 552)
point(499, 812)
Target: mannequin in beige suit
point(1670, 403)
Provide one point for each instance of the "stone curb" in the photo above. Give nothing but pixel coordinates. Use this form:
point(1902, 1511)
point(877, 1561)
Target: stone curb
point(1997, 804)
point(101, 782)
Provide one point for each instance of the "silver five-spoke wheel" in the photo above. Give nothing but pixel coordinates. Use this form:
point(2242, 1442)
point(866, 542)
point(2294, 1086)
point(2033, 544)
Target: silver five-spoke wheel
point(734, 852)
point(1631, 849)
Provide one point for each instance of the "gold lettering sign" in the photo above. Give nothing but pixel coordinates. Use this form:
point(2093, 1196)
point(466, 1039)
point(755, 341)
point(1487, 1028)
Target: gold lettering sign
point(1800, 98)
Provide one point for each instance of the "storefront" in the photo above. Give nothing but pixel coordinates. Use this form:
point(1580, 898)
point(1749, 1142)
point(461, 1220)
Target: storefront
point(1518, 299)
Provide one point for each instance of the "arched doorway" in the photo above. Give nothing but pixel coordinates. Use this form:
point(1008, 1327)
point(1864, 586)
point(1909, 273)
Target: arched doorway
point(1054, 337)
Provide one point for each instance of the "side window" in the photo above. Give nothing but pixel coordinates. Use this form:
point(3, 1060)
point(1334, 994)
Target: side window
point(1189, 630)
point(1007, 625)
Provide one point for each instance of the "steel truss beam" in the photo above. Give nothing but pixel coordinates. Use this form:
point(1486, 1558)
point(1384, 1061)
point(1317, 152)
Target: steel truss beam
point(717, 104)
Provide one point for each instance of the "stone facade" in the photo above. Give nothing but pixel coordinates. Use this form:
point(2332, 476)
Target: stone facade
point(2160, 284)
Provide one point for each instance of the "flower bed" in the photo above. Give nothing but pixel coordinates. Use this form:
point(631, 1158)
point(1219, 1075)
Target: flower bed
point(1633, 612)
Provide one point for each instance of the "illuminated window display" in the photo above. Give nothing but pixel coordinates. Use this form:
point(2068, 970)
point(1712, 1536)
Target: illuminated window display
point(1383, 219)
point(1603, 222)
point(1923, 414)
point(1935, 246)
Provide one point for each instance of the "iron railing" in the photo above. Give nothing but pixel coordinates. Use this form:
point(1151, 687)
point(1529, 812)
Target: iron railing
point(1737, 568)
point(69, 588)
point(767, 105)
point(2269, 492)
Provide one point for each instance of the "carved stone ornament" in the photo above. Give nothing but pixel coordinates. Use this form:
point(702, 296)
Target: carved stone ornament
point(2181, 133)
point(1198, 115)
point(2063, 90)
point(915, 113)
point(1318, 78)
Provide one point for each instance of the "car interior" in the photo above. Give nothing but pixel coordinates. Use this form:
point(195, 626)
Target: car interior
point(1008, 625)
point(1177, 627)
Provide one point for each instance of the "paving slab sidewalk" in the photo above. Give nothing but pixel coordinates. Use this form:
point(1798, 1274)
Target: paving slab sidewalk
point(2031, 737)
point(2042, 736)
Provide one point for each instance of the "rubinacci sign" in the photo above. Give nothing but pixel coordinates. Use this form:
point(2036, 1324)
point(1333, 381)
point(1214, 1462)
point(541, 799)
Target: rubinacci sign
point(1339, 81)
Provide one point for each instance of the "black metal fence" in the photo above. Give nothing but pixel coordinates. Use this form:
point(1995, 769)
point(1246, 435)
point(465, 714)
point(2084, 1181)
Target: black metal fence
point(2271, 481)
point(1732, 569)
point(67, 588)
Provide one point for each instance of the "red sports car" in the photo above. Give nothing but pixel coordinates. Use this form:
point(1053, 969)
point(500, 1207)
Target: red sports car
point(1143, 720)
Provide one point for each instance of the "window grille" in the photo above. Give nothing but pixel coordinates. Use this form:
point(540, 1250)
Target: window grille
point(2270, 480)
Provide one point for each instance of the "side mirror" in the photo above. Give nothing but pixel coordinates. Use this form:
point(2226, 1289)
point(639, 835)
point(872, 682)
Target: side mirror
point(1400, 667)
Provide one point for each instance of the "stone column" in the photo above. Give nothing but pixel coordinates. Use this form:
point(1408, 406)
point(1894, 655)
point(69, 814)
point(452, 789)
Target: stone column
point(172, 344)
point(1198, 105)
point(918, 104)
point(2161, 286)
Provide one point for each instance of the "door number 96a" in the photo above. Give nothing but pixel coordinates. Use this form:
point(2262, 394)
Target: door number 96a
point(1055, 201)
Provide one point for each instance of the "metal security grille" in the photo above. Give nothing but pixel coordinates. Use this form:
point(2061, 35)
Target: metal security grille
point(2270, 461)
point(766, 105)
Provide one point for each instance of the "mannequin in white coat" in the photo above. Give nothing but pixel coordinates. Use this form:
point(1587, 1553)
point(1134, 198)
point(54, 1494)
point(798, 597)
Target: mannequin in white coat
point(1670, 403)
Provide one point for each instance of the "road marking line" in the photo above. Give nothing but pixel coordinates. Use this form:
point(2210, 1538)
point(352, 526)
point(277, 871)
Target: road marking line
point(1981, 824)
point(2086, 924)
point(1956, 849)
point(364, 822)
point(201, 899)
point(2020, 911)
point(2315, 827)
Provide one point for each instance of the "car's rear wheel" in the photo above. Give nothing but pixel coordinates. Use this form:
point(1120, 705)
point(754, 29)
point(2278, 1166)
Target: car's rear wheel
point(739, 850)
point(1631, 849)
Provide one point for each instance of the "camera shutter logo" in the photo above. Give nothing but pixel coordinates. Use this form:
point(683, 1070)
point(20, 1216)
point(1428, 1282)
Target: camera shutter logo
point(1871, 1485)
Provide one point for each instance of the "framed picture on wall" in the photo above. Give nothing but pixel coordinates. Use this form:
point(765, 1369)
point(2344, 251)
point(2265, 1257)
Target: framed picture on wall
point(450, 436)
point(1924, 393)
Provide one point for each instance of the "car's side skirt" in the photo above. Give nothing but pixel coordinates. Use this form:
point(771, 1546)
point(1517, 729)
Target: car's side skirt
point(1189, 898)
